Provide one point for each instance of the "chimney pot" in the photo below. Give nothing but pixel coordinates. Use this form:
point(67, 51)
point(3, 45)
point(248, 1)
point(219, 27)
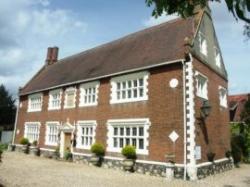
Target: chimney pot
point(52, 55)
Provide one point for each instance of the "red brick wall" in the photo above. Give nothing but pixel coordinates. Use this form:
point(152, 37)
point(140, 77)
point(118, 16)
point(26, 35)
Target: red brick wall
point(164, 108)
point(214, 135)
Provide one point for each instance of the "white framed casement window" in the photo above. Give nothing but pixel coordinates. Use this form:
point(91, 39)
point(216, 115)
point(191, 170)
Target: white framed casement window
point(31, 131)
point(55, 97)
point(223, 96)
point(86, 131)
point(122, 132)
point(89, 94)
point(70, 98)
point(201, 86)
point(35, 102)
point(52, 130)
point(203, 43)
point(129, 88)
point(217, 57)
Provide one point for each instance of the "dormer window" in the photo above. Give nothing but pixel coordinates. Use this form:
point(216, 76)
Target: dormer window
point(70, 98)
point(35, 103)
point(217, 57)
point(203, 44)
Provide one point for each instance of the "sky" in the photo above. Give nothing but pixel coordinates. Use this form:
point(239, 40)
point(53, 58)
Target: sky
point(28, 27)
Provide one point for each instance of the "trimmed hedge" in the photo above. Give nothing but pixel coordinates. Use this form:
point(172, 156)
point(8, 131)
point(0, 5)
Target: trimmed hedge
point(129, 152)
point(97, 149)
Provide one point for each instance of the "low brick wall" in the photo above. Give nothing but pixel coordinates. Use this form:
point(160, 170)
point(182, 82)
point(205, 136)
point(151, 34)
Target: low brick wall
point(203, 170)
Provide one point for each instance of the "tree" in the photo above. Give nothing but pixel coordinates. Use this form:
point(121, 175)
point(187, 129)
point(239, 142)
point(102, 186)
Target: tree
point(185, 8)
point(7, 107)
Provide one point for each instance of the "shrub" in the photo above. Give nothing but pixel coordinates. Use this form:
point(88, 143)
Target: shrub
point(24, 141)
point(34, 143)
point(97, 149)
point(129, 152)
point(68, 155)
point(3, 146)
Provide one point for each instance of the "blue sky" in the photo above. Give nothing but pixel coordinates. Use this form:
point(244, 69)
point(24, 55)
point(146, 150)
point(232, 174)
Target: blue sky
point(74, 26)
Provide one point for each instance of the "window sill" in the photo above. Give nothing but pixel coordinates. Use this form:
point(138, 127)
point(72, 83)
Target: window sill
point(83, 147)
point(54, 109)
point(118, 150)
point(51, 144)
point(202, 97)
point(34, 110)
point(86, 105)
point(67, 107)
point(128, 100)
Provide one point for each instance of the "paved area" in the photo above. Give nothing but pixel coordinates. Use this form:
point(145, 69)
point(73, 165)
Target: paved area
point(25, 170)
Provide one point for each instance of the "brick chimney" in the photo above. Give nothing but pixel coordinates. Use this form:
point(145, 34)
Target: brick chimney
point(52, 55)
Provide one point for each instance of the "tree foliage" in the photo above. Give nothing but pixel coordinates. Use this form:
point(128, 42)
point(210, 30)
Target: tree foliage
point(7, 107)
point(240, 9)
point(245, 114)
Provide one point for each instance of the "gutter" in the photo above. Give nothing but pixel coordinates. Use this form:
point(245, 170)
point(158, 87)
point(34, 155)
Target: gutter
point(105, 76)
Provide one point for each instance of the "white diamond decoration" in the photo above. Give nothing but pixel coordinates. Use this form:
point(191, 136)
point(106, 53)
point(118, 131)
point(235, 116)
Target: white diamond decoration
point(173, 136)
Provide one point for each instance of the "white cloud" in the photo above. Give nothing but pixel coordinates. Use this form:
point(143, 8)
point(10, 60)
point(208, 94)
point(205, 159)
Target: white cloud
point(26, 33)
point(156, 21)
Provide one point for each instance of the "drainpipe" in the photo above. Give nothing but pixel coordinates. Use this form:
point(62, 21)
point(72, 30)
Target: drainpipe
point(17, 110)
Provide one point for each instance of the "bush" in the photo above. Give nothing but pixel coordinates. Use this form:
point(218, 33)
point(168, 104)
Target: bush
point(236, 146)
point(34, 143)
point(24, 141)
point(3, 147)
point(129, 152)
point(68, 155)
point(97, 149)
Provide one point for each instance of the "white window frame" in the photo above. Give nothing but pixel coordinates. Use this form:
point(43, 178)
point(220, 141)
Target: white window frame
point(203, 44)
point(217, 55)
point(47, 134)
point(141, 122)
point(203, 93)
point(80, 125)
point(50, 105)
point(130, 77)
point(223, 98)
point(36, 124)
point(87, 86)
point(70, 89)
point(33, 96)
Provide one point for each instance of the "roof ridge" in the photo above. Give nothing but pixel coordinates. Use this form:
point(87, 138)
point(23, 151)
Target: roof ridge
point(122, 38)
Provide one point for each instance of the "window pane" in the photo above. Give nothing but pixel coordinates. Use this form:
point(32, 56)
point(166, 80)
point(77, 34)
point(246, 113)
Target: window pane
point(128, 131)
point(141, 144)
point(140, 82)
point(121, 142)
point(115, 131)
point(141, 131)
point(134, 142)
point(134, 131)
point(121, 131)
point(127, 141)
point(115, 142)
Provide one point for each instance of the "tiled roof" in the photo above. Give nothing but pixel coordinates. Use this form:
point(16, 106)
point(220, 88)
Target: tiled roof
point(151, 46)
point(236, 104)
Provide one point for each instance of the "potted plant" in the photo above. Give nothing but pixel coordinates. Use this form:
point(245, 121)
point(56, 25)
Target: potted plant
point(25, 143)
point(68, 155)
point(228, 154)
point(34, 149)
point(130, 155)
point(56, 154)
point(98, 151)
point(11, 147)
point(210, 156)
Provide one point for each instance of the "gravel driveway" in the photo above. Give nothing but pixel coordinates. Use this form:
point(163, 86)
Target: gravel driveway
point(25, 170)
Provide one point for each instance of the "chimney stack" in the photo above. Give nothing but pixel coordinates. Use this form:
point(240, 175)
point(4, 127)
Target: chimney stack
point(52, 55)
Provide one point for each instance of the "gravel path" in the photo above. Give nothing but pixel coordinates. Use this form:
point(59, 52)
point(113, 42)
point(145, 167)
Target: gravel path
point(25, 170)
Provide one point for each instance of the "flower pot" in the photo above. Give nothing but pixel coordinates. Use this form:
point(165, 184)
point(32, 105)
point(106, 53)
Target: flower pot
point(128, 164)
point(228, 154)
point(11, 147)
point(25, 149)
point(210, 157)
point(34, 151)
point(95, 160)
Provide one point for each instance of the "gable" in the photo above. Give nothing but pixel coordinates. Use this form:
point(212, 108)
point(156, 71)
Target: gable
point(211, 55)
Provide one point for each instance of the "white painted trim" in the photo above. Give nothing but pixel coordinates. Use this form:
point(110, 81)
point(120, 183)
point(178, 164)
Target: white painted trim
point(70, 89)
point(50, 99)
point(125, 78)
point(36, 123)
point(82, 123)
point(46, 149)
point(105, 76)
point(16, 118)
point(82, 154)
point(222, 104)
point(37, 95)
point(210, 163)
point(51, 123)
point(85, 86)
point(145, 122)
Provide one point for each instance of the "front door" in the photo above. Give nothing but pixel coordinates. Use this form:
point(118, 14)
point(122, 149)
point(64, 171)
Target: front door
point(67, 141)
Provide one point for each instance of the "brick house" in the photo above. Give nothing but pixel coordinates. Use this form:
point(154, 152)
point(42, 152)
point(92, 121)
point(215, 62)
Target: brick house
point(136, 90)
